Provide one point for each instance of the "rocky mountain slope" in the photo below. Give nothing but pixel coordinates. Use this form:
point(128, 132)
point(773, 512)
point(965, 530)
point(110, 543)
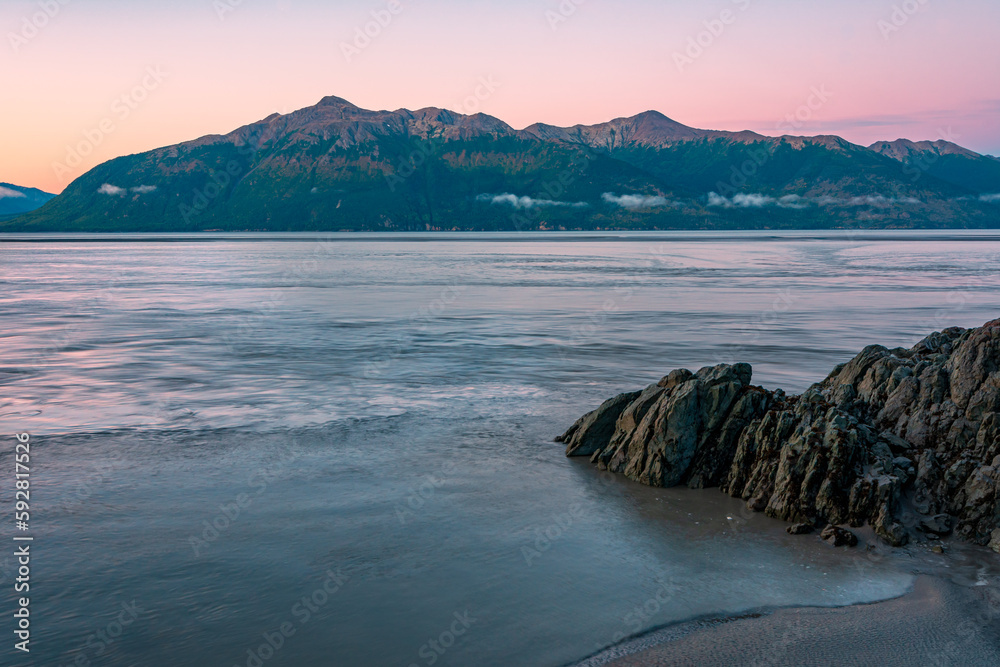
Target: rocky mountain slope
point(335, 166)
point(945, 161)
point(907, 441)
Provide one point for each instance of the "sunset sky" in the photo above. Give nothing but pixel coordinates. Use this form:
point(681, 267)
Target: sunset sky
point(113, 77)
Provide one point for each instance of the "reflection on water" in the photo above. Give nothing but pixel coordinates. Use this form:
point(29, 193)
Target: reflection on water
point(224, 426)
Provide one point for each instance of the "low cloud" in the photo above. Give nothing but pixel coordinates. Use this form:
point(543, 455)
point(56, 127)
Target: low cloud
point(113, 190)
point(715, 199)
point(508, 199)
point(752, 201)
point(635, 201)
point(990, 198)
point(742, 200)
point(7, 192)
point(793, 201)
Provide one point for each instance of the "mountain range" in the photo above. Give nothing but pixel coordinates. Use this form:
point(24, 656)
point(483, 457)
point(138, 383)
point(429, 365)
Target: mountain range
point(15, 199)
point(335, 166)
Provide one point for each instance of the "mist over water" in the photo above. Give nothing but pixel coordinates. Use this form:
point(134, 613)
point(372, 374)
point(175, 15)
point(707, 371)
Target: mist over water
point(224, 428)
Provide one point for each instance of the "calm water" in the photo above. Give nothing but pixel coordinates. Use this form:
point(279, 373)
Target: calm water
point(379, 411)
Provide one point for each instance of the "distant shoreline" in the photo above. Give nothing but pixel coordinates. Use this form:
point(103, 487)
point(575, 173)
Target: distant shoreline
point(691, 236)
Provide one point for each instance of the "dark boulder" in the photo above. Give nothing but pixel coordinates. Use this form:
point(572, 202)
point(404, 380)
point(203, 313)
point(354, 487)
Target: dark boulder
point(800, 529)
point(936, 525)
point(839, 537)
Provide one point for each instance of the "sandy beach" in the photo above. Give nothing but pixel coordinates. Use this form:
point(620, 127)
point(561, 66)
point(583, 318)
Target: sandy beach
point(937, 623)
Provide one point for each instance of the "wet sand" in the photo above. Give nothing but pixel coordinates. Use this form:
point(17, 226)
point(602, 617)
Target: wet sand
point(937, 623)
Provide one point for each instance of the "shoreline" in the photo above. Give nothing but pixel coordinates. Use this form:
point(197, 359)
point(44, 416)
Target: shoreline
point(677, 235)
point(659, 636)
point(936, 622)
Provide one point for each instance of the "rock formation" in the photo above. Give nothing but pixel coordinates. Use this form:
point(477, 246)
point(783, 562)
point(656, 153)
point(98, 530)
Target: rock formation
point(902, 440)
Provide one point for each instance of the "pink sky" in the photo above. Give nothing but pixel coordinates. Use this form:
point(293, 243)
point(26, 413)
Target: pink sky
point(82, 83)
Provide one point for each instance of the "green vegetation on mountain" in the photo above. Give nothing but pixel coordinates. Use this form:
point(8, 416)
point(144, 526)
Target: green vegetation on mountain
point(15, 200)
point(334, 166)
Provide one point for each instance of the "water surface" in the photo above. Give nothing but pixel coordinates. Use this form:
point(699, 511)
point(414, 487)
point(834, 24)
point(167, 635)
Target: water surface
point(380, 411)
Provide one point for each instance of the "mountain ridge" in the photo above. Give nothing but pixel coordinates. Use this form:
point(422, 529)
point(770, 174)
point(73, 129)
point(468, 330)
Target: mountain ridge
point(335, 166)
point(16, 199)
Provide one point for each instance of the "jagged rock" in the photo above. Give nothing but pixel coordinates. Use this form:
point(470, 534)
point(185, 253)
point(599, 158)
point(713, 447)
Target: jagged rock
point(896, 444)
point(995, 540)
point(936, 525)
point(904, 469)
point(926, 500)
point(674, 378)
point(800, 465)
point(593, 430)
point(684, 428)
point(839, 537)
point(800, 529)
point(889, 427)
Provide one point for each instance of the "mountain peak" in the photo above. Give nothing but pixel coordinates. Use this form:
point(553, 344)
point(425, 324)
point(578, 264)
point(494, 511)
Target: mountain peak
point(652, 114)
point(650, 128)
point(904, 149)
point(334, 101)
